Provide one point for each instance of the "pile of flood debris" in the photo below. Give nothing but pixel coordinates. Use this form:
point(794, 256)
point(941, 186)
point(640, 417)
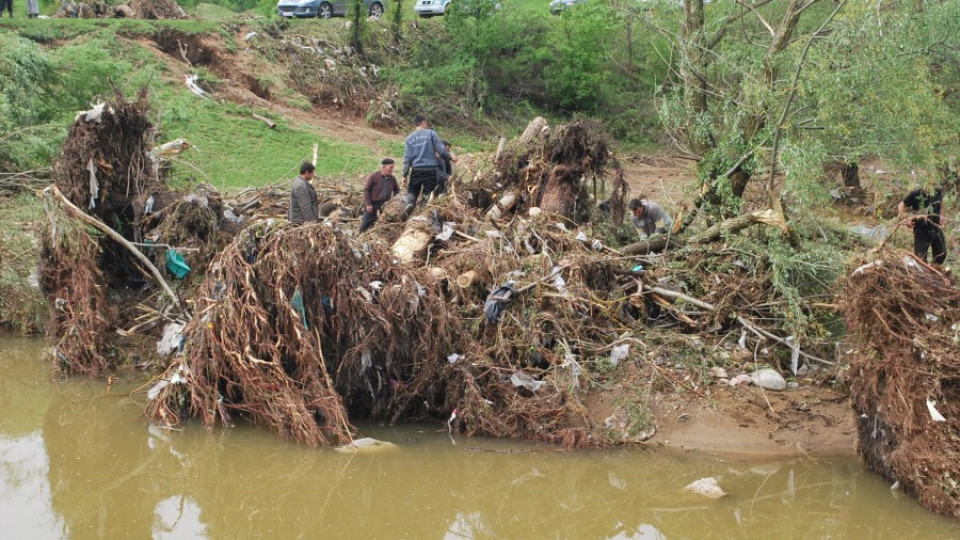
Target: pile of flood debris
point(496, 309)
point(108, 209)
point(904, 319)
point(136, 9)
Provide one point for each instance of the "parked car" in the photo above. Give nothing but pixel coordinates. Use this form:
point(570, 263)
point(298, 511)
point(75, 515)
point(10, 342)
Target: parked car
point(326, 8)
point(559, 6)
point(430, 8)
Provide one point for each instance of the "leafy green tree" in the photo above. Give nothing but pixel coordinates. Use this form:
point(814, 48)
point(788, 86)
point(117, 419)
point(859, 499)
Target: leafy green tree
point(880, 85)
point(24, 103)
point(780, 86)
point(396, 22)
point(358, 19)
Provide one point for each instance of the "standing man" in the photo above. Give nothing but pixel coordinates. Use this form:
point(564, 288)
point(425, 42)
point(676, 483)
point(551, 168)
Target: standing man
point(380, 186)
point(445, 171)
point(926, 223)
point(6, 4)
point(304, 206)
point(33, 10)
point(420, 163)
point(647, 215)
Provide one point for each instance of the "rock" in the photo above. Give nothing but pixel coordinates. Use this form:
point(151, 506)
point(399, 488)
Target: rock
point(331, 65)
point(741, 379)
point(793, 385)
point(708, 487)
point(769, 379)
point(718, 372)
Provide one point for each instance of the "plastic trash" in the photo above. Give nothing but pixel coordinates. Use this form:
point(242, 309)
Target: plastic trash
point(497, 301)
point(366, 445)
point(297, 303)
point(619, 353)
point(521, 378)
point(176, 264)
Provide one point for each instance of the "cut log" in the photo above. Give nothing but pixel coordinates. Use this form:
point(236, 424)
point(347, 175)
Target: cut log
point(537, 128)
point(393, 210)
point(270, 123)
point(414, 241)
point(123, 11)
point(661, 242)
point(735, 224)
point(504, 205)
point(466, 279)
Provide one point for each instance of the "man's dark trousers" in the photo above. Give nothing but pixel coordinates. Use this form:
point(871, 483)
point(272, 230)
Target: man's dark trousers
point(369, 218)
point(421, 181)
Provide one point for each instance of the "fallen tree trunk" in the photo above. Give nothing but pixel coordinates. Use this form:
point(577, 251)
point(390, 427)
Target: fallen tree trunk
point(734, 224)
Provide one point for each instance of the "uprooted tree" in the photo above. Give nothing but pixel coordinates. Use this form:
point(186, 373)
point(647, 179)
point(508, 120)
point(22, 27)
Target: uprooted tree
point(904, 319)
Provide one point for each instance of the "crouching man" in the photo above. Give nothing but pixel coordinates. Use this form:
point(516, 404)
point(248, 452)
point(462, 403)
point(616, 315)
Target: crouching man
point(380, 187)
point(649, 218)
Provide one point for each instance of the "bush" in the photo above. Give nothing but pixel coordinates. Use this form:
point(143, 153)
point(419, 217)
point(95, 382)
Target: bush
point(24, 103)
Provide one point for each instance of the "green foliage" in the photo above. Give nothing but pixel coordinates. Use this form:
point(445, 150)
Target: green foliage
point(517, 61)
point(232, 150)
point(89, 65)
point(799, 276)
point(21, 303)
point(876, 84)
point(25, 73)
point(358, 30)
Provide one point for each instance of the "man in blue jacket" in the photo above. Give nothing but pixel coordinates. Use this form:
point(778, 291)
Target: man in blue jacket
point(420, 160)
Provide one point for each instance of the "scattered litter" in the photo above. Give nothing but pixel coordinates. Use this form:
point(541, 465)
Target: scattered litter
point(171, 340)
point(367, 445)
point(708, 487)
point(522, 378)
point(619, 353)
point(934, 413)
point(192, 85)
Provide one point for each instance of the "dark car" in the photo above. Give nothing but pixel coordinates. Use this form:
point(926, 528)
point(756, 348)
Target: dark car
point(326, 8)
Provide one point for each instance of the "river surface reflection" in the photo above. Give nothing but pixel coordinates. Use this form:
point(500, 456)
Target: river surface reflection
point(77, 463)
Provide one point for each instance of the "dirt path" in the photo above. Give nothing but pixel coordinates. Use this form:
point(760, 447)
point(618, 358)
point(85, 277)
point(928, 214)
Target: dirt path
point(808, 421)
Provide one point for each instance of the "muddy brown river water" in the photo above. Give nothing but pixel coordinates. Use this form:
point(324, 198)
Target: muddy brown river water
point(77, 463)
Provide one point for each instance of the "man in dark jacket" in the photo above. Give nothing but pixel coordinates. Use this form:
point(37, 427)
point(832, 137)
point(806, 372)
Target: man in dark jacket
point(927, 209)
point(445, 171)
point(380, 186)
point(420, 160)
point(304, 207)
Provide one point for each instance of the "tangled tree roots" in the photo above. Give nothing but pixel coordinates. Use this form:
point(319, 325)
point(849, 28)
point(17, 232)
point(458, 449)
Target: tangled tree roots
point(76, 292)
point(103, 164)
point(299, 326)
point(904, 318)
point(559, 171)
point(291, 339)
